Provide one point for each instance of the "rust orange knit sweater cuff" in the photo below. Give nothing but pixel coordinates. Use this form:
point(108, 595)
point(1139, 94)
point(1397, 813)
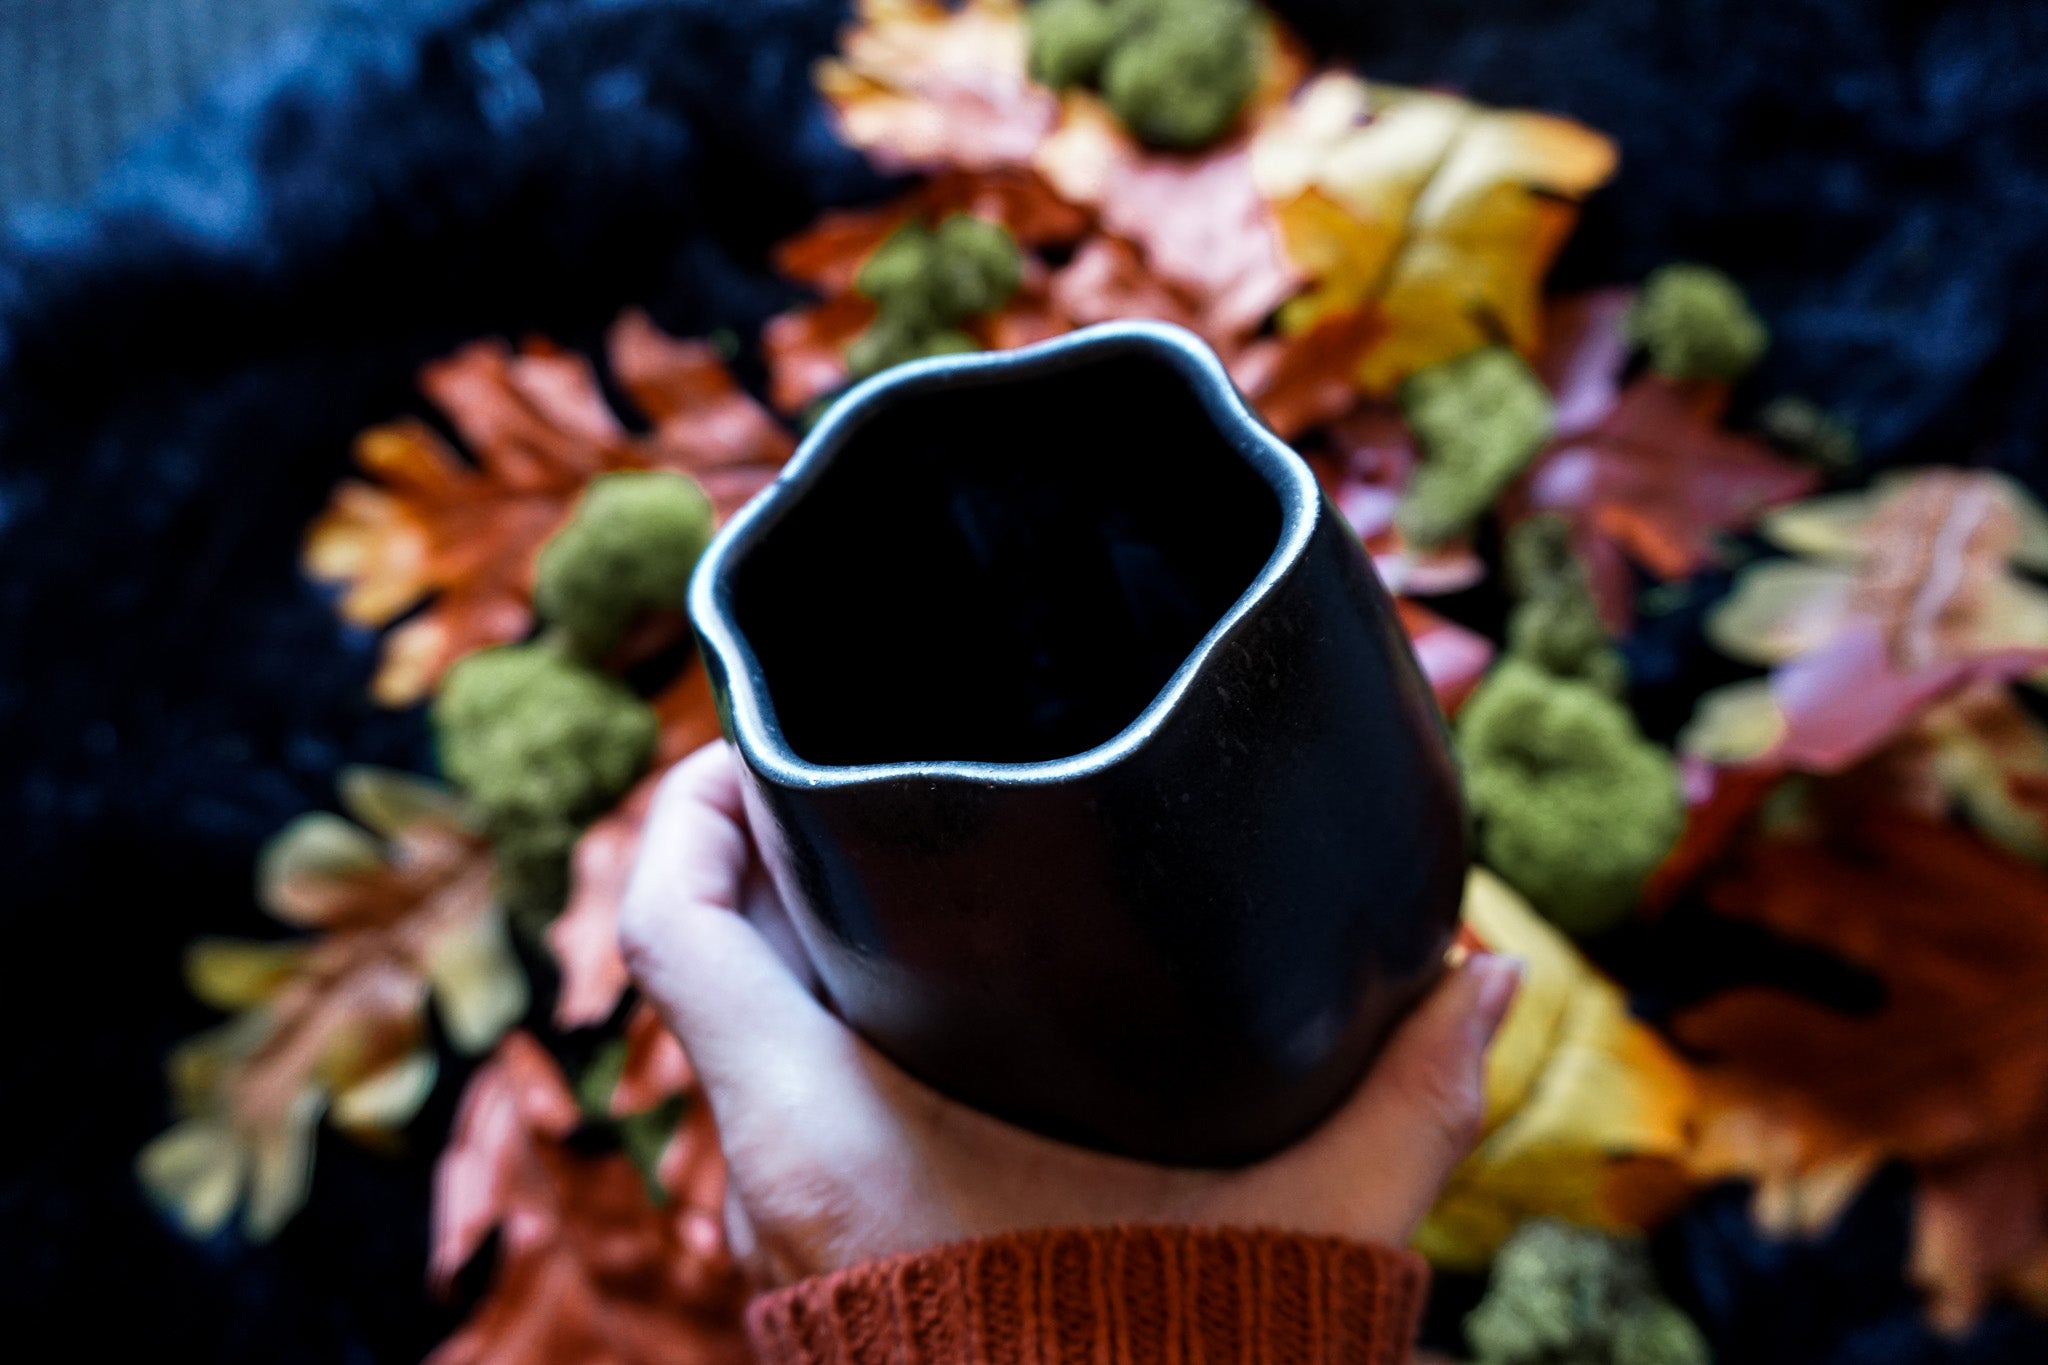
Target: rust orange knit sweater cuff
point(1105, 1296)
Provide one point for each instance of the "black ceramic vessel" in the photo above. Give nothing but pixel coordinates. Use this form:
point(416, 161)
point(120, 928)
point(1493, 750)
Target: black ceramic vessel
point(1086, 747)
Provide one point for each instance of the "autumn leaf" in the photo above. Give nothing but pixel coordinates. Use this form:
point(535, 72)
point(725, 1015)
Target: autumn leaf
point(1453, 659)
point(1204, 228)
point(333, 1024)
point(1653, 483)
point(920, 86)
point(1443, 213)
point(584, 938)
point(689, 1166)
point(1948, 1072)
point(1719, 803)
point(589, 1266)
point(1926, 555)
point(1197, 220)
point(1587, 1111)
point(829, 254)
point(1585, 350)
point(1305, 380)
point(1957, 932)
point(1365, 462)
point(1980, 752)
point(705, 424)
point(429, 523)
point(428, 526)
point(805, 348)
point(1902, 596)
point(654, 1069)
point(1980, 1231)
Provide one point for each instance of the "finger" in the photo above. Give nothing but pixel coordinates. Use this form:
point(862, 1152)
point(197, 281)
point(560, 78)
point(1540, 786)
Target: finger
point(743, 1017)
point(1375, 1167)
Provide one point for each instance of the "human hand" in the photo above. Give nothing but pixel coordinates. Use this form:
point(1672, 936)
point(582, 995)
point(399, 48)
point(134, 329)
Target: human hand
point(837, 1156)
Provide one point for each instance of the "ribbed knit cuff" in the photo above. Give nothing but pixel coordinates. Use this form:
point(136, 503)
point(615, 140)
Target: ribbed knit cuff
point(1106, 1296)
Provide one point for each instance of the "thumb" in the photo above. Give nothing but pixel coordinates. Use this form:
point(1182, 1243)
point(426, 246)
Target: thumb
point(750, 1027)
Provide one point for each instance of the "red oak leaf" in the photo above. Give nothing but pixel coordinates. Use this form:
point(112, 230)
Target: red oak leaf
point(1307, 378)
point(584, 938)
point(589, 1267)
point(805, 350)
point(460, 536)
point(655, 1069)
point(705, 424)
point(691, 1167)
point(1365, 465)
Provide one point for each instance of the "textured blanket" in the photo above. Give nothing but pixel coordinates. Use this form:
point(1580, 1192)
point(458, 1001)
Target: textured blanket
point(184, 360)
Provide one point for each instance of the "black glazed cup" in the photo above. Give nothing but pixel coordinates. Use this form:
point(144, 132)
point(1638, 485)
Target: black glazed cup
point(1085, 747)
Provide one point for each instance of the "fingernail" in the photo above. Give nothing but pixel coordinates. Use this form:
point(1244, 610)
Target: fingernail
point(1496, 978)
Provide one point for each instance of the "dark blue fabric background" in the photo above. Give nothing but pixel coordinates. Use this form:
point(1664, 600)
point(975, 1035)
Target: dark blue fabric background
point(184, 361)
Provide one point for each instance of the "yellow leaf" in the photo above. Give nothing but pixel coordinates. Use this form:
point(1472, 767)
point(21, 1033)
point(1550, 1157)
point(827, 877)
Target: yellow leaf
point(233, 974)
point(1924, 558)
point(477, 982)
point(388, 1099)
point(281, 1167)
point(1444, 212)
point(1734, 724)
point(1780, 609)
point(194, 1172)
point(1578, 1094)
point(299, 869)
point(368, 539)
point(389, 802)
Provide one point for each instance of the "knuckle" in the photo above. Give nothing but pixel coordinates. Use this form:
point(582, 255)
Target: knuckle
point(638, 931)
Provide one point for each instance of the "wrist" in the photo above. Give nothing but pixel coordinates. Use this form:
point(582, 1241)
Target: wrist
point(1111, 1295)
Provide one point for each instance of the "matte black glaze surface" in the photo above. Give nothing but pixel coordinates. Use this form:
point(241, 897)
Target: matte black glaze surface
point(1086, 746)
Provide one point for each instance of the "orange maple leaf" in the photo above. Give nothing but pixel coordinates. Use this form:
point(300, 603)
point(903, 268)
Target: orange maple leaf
point(1949, 1071)
point(461, 535)
point(589, 1267)
point(334, 1024)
